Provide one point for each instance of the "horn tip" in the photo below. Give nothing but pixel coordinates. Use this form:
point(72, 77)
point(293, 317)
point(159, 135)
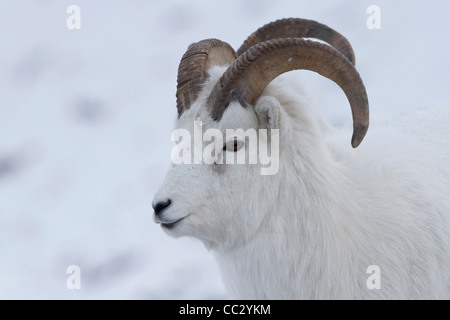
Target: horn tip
point(359, 132)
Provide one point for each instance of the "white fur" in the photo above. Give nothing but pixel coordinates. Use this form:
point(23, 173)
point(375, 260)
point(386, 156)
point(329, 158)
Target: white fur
point(311, 230)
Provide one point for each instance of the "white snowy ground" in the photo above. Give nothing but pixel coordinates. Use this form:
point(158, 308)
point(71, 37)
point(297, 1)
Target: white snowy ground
point(86, 117)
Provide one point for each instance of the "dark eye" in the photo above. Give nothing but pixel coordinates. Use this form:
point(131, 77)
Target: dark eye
point(233, 145)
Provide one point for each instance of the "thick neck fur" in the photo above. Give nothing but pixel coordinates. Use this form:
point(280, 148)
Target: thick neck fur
point(332, 217)
point(299, 241)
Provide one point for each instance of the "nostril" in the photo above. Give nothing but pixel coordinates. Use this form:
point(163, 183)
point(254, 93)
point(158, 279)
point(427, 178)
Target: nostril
point(160, 206)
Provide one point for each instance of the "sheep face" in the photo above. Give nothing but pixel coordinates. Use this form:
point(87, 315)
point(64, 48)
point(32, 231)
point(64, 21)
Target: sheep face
point(209, 199)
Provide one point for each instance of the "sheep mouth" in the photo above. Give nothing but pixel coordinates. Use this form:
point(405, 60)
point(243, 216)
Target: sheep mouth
point(170, 225)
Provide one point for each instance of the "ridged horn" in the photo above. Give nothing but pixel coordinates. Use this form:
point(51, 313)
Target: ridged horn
point(299, 28)
point(192, 71)
point(248, 76)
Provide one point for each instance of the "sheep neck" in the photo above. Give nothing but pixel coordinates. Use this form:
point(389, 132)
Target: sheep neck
point(256, 268)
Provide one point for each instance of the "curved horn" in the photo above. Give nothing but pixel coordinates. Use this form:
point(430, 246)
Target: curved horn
point(299, 28)
point(192, 71)
point(247, 77)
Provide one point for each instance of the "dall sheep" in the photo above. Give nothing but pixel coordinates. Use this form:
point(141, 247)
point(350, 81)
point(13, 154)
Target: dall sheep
point(333, 222)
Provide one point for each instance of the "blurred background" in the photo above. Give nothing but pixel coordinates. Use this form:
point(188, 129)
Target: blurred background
point(86, 117)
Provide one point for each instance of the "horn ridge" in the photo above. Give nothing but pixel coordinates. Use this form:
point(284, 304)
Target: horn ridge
point(192, 71)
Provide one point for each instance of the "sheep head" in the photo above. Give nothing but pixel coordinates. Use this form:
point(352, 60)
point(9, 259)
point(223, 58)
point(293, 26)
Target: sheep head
point(219, 89)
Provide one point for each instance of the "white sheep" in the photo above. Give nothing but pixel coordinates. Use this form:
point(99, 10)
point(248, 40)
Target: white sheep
point(314, 229)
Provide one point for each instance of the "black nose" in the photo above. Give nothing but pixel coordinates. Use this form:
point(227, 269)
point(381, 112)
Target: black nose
point(160, 206)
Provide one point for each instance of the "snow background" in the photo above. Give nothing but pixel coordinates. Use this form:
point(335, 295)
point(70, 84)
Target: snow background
point(86, 117)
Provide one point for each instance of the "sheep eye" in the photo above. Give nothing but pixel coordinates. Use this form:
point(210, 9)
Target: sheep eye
point(233, 145)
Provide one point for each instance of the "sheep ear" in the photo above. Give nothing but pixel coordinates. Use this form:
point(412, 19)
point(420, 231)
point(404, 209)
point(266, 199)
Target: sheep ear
point(271, 115)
